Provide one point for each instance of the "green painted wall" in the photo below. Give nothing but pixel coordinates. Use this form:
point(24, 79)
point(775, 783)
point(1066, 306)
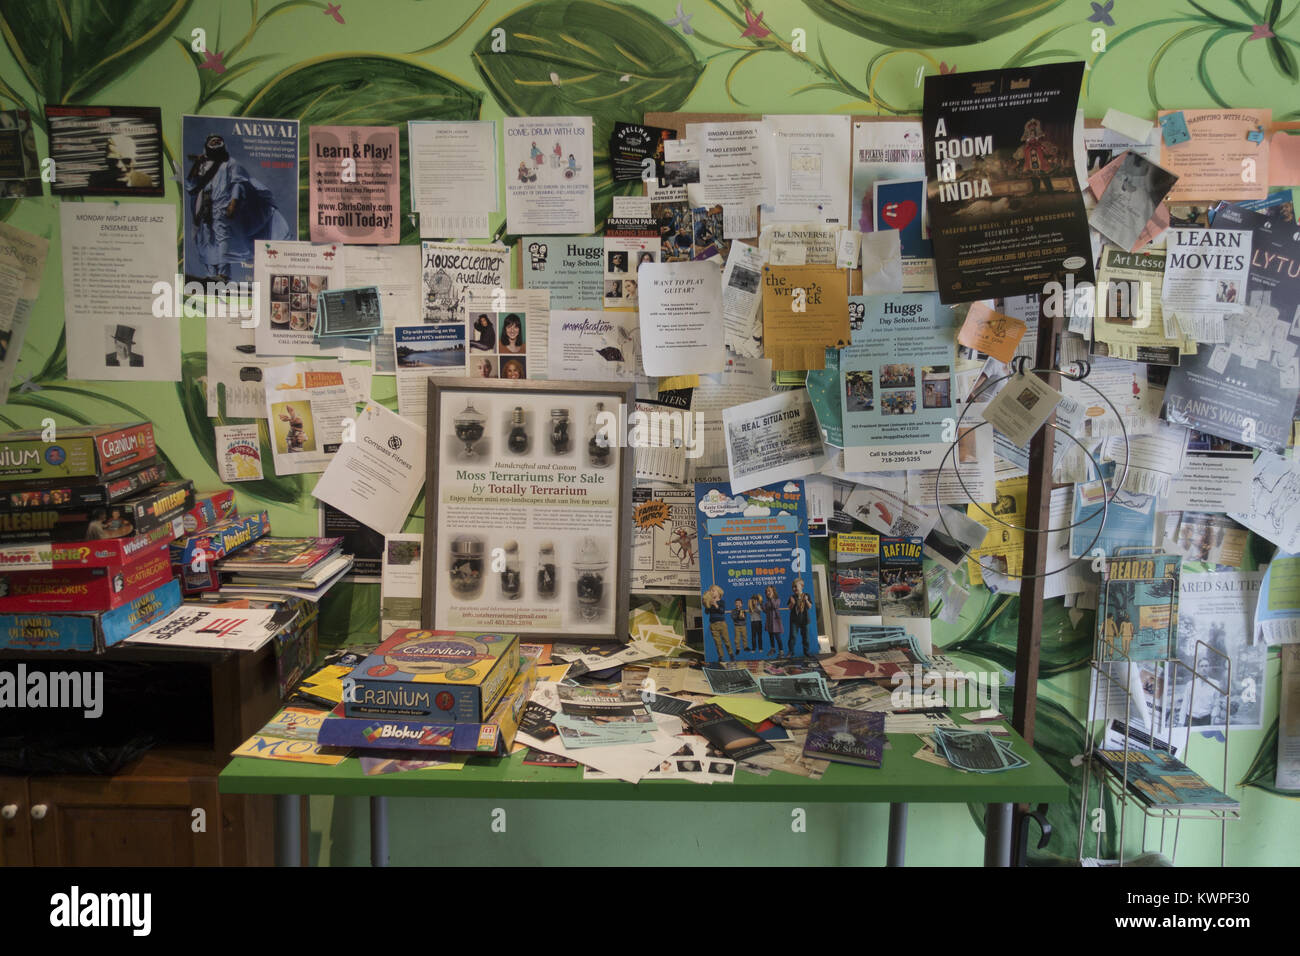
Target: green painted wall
point(428, 59)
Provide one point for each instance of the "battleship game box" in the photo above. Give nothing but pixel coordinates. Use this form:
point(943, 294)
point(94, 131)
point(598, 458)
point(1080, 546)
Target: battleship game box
point(87, 451)
point(84, 589)
point(79, 492)
point(448, 676)
point(494, 736)
point(127, 518)
point(88, 631)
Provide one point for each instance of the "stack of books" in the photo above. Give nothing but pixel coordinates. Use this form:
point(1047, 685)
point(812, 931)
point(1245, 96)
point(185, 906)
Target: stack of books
point(301, 567)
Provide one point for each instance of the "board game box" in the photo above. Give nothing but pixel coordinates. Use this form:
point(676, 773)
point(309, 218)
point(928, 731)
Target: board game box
point(127, 518)
point(88, 631)
point(88, 451)
point(84, 589)
point(448, 676)
point(108, 553)
point(493, 736)
point(79, 493)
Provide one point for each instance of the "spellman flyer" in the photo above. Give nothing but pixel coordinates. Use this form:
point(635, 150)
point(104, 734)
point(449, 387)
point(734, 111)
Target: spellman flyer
point(1005, 206)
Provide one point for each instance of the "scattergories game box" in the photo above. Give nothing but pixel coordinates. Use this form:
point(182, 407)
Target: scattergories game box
point(88, 451)
point(433, 675)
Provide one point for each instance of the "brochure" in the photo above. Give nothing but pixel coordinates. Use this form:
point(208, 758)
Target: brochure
point(353, 185)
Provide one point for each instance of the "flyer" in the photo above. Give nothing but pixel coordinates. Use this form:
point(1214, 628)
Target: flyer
point(241, 186)
point(395, 271)
point(1103, 145)
point(1245, 389)
point(353, 184)
point(24, 253)
point(1288, 725)
point(733, 173)
point(896, 381)
point(809, 158)
point(591, 346)
point(1218, 160)
point(902, 582)
point(742, 380)
point(1129, 200)
point(377, 475)
point(1215, 476)
point(631, 145)
point(1006, 211)
point(105, 150)
point(1216, 637)
point(900, 206)
point(772, 439)
point(665, 556)
point(1130, 323)
point(239, 453)
point(114, 257)
point(508, 332)
point(990, 332)
point(20, 164)
point(453, 177)
point(1204, 537)
point(530, 525)
point(307, 405)
point(741, 300)
point(681, 304)
point(1277, 611)
point(754, 553)
point(424, 350)
point(366, 545)
point(855, 573)
point(449, 269)
point(549, 168)
point(805, 311)
point(893, 149)
point(571, 268)
point(1274, 501)
point(1206, 276)
point(291, 276)
point(399, 585)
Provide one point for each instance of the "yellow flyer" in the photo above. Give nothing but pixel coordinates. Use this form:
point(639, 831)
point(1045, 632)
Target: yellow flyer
point(805, 312)
point(1217, 159)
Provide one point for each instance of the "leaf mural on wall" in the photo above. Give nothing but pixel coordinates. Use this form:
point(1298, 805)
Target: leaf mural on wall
point(588, 57)
point(1262, 772)
point(70, 49)
point(929, 23)
point(1066, 646)
point(362, 89)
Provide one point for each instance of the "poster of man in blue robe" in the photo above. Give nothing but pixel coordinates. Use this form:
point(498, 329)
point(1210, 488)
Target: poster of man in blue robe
point(241, 185)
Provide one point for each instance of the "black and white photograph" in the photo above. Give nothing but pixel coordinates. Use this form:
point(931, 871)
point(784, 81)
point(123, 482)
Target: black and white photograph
point(124, 344)
point(106, 150)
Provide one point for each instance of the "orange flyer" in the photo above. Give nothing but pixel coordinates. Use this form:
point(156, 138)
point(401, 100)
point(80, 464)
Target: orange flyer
point(991, 332)
point(1219, 161)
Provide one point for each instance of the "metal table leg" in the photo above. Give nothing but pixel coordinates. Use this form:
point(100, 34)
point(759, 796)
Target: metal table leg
point(378, 831)
point(997, 835)
point(897, 835)
point(288, 830)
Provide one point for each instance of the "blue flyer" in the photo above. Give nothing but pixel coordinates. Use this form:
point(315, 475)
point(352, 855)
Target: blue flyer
point(756, 578)
point(241, 185)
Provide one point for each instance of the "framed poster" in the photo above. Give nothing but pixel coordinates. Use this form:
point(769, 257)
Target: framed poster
point(528, 508)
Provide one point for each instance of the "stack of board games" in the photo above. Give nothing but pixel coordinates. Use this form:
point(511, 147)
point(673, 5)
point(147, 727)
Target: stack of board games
point(85, 520)
point(195, 556)
point(433, 690)
point(305, 566)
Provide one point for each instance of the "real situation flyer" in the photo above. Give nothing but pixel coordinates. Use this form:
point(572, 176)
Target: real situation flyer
point(1006, 211)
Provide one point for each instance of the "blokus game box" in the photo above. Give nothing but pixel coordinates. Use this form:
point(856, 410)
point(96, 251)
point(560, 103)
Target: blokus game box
point(494, 736)
point(79, 492)
point(433, 675)
point(87, 631)
point(84, 589)
point(88, 451)
point(122, 519)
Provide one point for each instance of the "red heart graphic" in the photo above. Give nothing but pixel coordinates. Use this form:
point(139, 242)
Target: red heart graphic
point(898, 214)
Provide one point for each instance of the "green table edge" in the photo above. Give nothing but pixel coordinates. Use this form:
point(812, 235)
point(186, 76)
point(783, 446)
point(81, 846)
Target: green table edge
point(901, 779)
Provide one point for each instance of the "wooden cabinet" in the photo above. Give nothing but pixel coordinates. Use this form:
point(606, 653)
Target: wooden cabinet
point(143, 816)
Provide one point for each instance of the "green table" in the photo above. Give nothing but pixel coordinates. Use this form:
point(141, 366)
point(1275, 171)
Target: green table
point(901, 780)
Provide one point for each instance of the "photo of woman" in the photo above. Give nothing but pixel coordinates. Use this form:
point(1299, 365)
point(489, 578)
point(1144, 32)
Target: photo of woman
point(717, 615)
point(512, 334)
point(756, 626)
point(512, 368)
point(484, 334)
point(483, 368)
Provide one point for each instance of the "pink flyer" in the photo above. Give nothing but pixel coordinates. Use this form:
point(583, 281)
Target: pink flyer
point(354, 184)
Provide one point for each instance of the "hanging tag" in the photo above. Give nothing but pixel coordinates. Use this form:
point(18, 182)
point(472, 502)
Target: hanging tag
point(1020, 408)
